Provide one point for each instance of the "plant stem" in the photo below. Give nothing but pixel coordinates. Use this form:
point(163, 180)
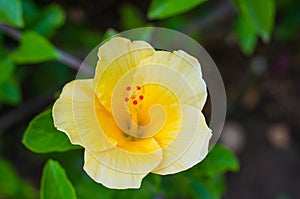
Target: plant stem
point(28, 109)
point(69, 60)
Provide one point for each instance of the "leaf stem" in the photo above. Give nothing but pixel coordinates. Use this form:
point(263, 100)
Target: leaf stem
point(69, 60)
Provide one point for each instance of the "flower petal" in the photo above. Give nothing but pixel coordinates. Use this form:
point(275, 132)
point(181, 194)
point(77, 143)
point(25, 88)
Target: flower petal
point(64, 120)
point(164, 86)
point(116, 57)
point(75, 114)
point(188, 67)
point(190, 145)
point(120, 169)
point(62, 113)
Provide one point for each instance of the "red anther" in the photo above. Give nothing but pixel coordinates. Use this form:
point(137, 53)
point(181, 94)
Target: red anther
point(138, 88)
point(126, 99)
point(128, 88)
point(134, 102)
point(141, 97)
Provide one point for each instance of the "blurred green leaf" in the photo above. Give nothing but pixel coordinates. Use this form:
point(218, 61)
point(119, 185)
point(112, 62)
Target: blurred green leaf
point(49, 20)
point(176, 22)
point(10, 91)
point(207, 187)
point(246, 36)
point(27, 191)
point(34, 48)
point(203, 190)
point(109, 33)
point(144, 34)
point(6, 67)
point(219, 184)
point(219, 160)
point(160, 9)
point(9, 181)
point(288, 25)
point(148, 190)
point(131, 17)
point(212, 188)
point(260, 14)
point(93, 38)
point(55, 183)
point(87, 189)
point(30, 12)
point(11, 12)
point(51, 75)
point(70, 33)
point(42, 137)
point(191, 184)
point(11, 186)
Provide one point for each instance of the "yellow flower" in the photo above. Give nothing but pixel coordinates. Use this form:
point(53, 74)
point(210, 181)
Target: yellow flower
point(141, 113)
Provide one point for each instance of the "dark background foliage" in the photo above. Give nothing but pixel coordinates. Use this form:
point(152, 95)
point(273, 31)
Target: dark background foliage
point(254, 43)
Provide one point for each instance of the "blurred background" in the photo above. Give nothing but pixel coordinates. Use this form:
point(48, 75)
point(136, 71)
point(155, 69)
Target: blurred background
point(255, 44)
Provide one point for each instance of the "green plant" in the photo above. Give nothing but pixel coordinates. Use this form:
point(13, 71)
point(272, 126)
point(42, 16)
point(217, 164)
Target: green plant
point(36, 61)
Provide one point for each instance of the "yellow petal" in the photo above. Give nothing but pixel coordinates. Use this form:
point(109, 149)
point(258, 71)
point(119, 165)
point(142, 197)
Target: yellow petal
point(64, 120)
point(148, 115)
point(75, 114)
point(63, 109)
point(162, 85)
point(186, 66)
point(143, 157)
point(116, 57)
point(119, 169)
point(122, 139)
point(190, 145)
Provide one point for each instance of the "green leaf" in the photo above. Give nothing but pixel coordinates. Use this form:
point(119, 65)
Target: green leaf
point(11, 185)
point(49, 20)
point(30, 12)
point(203, 190)
point(55, 183)
point(148, 190)
point(11, 12)
point(131, 17)
point(204, 187)
point(219, 184)
point(160, 9)
point(260, 15)
point(9, 180)
point(109, 33)
point(82, 182)
point(6, 67)
point(70, 33)
point(212, 188)
point(288, 25)
point(42, 137)
point(10, 91)
point(246, 36)
point(34, 48)
point(218, 161)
